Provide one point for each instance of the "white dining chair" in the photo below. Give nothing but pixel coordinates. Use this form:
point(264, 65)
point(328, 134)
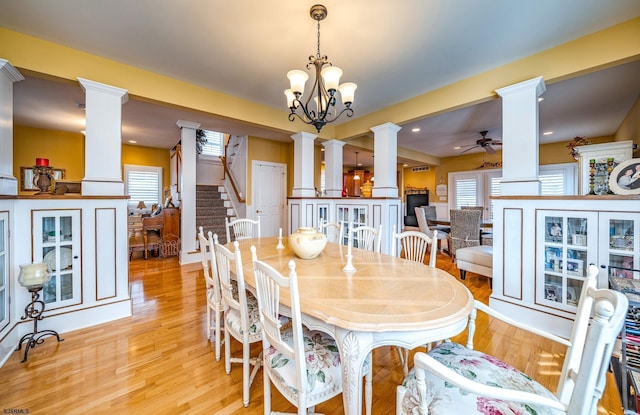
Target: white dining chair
point(241, 319)
point(453, 379)
point(441, 236)
point(366, 237)
point(212, 284)
point(333, 231)
point(304, 365)
point(242, 228)
point(414, 245)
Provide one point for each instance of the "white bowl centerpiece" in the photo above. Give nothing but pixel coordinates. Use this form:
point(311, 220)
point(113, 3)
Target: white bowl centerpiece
point(307, 243)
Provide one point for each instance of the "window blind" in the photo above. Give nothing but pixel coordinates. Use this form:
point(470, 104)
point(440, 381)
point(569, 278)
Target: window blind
point(214, 145)
point(143, 183)
point(466, 192)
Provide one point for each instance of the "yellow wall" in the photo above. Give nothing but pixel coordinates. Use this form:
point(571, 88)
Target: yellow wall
point(271, 151)
point(147, 156)
point(63, 149)
point(66, 151)
point(630, 127)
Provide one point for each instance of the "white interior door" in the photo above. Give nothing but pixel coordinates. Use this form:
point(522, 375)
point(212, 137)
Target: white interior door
point(269, 184)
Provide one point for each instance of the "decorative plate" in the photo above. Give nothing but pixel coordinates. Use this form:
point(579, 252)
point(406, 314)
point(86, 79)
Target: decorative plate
point(66, 259)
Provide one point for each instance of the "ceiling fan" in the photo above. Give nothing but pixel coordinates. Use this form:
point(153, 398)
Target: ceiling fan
point(485, 142)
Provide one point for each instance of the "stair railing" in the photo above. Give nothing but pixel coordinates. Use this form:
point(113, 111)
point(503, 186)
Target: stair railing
point(227, 174)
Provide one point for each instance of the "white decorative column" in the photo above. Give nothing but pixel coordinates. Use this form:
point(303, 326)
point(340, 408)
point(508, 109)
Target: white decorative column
point(8, 75)
point(303, 164)
point(520, 136)
point(385, 147)
point(103, 139)
point(188, 189)
point(333, 167)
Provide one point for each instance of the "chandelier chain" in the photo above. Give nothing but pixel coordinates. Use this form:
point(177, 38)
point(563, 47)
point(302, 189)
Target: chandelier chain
point(318, 53)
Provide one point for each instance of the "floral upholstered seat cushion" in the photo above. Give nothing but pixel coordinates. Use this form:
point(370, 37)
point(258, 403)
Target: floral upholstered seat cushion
point(233, 319)
point(324, 373)
point(443, 398)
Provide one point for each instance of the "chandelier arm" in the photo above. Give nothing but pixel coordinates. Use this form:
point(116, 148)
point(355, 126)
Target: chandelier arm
point(349, 112)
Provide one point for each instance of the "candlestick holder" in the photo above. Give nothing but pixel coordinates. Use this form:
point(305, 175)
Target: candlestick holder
point(280, 244)
point(592, 172)
point(349, 267)
point(34, 311)
point(610, 163)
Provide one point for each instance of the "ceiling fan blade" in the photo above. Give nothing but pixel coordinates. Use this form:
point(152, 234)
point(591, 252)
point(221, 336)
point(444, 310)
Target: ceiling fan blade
point(489, 149)
point(469, 149)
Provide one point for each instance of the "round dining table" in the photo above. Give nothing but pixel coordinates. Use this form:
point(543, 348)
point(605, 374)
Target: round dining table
point(385, 301)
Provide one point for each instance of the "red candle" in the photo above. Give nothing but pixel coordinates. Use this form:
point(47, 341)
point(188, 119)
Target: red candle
point(42, 162)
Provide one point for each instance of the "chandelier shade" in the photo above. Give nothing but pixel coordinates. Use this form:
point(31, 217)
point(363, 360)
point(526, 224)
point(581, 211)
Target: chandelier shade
point(319, 106)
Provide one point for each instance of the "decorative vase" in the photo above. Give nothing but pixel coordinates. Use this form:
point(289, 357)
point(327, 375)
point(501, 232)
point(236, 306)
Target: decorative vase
point(307, 243)
point(33, 275)
point(366, 189)
point(42, 177)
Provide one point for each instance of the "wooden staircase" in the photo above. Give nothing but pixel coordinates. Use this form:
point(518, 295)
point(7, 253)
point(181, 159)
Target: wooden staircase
point(212, 207)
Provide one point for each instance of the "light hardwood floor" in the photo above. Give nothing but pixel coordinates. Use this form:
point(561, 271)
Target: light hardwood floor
point(160, 362)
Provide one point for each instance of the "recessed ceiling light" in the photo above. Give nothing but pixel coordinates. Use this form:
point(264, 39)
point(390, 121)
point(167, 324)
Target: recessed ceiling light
point(456, 148)
point(132, 141)
point(415, 130)
point(322, 149)
point(405, 165)
point(547, 133)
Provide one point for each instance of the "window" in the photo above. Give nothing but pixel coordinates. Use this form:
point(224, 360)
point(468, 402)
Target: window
point(214, 146)
point(471, 188)
point(143, 183)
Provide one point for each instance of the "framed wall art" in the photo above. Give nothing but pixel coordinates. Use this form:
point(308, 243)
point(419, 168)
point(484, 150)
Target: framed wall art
point(625, 178)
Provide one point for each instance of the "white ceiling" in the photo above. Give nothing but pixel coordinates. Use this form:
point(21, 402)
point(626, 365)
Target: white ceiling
point(392, 50)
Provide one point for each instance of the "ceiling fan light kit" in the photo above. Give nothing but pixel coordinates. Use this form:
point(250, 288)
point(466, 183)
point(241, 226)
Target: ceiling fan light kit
point(485, 142)
point(326, 83)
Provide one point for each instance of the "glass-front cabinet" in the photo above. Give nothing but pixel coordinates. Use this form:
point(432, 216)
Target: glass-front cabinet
point(354, 215)
point(619, 243)
point(56, 242)
point(568, 243)
point(4, 269)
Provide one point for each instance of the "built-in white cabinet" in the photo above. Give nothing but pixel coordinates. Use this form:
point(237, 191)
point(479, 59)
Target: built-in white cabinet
point(542, 247)
point(369, 211)
point(56, 242)
point(83, 240)
point(619, 246)
point(567, 244)
point(4, 269)
point(354, 215)
point(596, 161)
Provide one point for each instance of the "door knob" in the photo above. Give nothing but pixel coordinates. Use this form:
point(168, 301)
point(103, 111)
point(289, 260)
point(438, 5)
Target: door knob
point(258, 211)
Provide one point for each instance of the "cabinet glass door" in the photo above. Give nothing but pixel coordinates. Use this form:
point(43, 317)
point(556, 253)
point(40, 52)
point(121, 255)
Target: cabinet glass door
point(565, 240)
point(57, 243)
point(620, 248)
point(4, 268)
point(354, 215)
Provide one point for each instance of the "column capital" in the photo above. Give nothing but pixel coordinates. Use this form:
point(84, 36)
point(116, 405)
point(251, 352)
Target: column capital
point(302, 135)
point(386, 127)
point(333, 143)
point(9, 71)
point(88, 85)
point(188, 124)
point(535, 83)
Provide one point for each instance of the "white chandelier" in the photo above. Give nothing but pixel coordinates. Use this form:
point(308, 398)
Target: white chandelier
point(323, 110)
